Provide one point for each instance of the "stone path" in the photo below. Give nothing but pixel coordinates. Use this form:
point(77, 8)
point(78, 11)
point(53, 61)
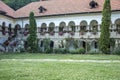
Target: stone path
point(62, 60)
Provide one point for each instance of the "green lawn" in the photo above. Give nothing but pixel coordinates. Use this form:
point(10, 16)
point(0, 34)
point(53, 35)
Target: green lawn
point(23, 70)
point(35, 70)
point(59, 56)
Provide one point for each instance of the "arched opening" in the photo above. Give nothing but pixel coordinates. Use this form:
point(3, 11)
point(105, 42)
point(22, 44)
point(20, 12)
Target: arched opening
point(111, 27)
point(26, 30)
point(61, 27)
point(43, 29)
point(95, 44)
point(51, 28)
point(94, 26)
point(3, 28)
point(84, 44)
point(83, 27)
point(73, 27)
point(51, 44)
point(117, 23)
point(41, 44)
point(26, 27)
point(25, 45)
point(9, 29)
point(16, 28)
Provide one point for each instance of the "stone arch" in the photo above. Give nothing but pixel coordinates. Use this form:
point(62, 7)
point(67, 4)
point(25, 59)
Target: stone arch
point(61, 26)
point(27, 26)
point(111, 24)
point(94, 23)
point(3, 24)
point(10, 25)
point(51, 27)
point(83, 44)
point(17, 27)
point(43, 25)
point(71, 24)
point(41, 43)
point(117, 23)
point(43, 28)
point(95, 44)
point(26, 29)
point(51, 44)
point(3, 28)
point(26, 44)
point(94, 26)
point(9, 29)
point(83, 26)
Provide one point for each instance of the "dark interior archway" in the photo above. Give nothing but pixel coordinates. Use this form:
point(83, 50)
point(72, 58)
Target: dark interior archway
point(84, 44)
point(95, 45)
point(26, 44)
point(51, 44)
point(41, 44)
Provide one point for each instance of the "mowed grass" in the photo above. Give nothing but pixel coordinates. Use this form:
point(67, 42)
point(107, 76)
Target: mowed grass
point(36, 70)
point(23, 70)
point(58, 56)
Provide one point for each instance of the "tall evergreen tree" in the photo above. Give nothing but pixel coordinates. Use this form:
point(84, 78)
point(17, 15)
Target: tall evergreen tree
point(105, 34)
point(32, 38)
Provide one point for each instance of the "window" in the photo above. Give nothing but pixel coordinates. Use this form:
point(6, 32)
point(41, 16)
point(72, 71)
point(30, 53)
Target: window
point(42, 9)
point(93, 4)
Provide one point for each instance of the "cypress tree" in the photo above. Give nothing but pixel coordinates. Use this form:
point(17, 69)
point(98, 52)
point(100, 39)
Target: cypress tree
point(32, 38)
point(105, 34)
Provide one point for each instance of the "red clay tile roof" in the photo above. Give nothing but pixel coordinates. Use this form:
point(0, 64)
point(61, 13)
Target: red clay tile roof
point(7, 9)
point(57, 7)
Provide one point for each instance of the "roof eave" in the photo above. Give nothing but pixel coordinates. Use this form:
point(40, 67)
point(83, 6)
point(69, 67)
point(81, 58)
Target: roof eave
point(59, 14)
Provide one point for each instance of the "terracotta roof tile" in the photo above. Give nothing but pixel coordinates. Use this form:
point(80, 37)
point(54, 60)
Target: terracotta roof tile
point(55, 7)
point(7, 9)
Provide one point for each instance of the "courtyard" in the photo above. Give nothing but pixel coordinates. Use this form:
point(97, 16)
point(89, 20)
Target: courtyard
point(26, 66)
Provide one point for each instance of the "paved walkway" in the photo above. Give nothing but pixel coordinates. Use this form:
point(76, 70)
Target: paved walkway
point(62, 60)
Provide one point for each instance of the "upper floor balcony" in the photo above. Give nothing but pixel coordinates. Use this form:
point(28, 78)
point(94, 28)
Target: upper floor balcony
point(63, 30)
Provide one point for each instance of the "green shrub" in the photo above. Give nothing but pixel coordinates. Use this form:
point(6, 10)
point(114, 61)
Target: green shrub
point(78, 51)
point(93, 52)
point(74, 52)
point(81, 51)
point(48, 50)
point(116, 51)
point(61, 50)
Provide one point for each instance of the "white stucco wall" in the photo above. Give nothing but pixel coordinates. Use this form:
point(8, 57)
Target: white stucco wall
point(67, 18)
point(64, 18)
point(7, 20)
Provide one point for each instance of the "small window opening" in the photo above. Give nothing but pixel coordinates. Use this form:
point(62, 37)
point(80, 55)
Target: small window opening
point(42, 9)
point(93, 4)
